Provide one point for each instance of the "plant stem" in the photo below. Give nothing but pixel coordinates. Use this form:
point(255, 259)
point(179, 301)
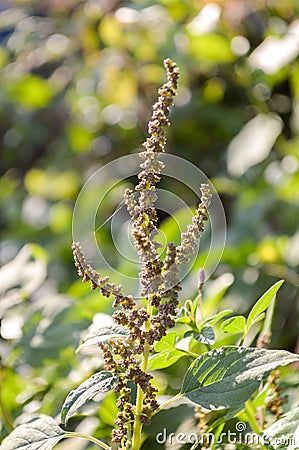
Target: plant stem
point(217, 435)
point(137, 429)
point(200, 306)
point(139, 403)
point(250, 413)
point(101, 444)
point(167, 402)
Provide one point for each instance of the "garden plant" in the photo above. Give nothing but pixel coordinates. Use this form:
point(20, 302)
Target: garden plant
point(227, 384)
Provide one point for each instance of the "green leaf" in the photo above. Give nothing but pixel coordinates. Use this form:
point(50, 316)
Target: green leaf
point(164, 359)
point(217, 317)
point(262, 304)
point(108, 409)
point(263, 397)
point(258, 318)
point(167, 342)
point(103, 334)
point(183, 320)
point(283, 434)
point(234, 324)
point(42, 433)
point(167, 353)
point(227, 377)
point(206, 336)
point(99, 382)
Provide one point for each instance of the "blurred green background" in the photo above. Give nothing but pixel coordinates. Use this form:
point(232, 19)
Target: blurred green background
point(78, 80)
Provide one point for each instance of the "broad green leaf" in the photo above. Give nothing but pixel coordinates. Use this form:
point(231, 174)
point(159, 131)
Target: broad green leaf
point(227, 377)
point(217, 317)
point(262, 304)
point(103, 334)
point(164, 359)
point(99, 382)
point(183, 320)
point(284, 433)
point(167, 343)
point(205, 336)
point(167, 354)
point(40, 434)
point(234, 324)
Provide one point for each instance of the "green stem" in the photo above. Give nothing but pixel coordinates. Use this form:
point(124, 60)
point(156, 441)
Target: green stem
point(217, 435)
point(200, 306)
point(92, 439)
point(139, 403)
point(250, 414)
point(137, 429)
point(167, 402)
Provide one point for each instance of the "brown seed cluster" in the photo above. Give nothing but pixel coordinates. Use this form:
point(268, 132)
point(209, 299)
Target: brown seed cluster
point(192, 235)
point(277, 401)
point(119, 358)
point(159, 279)
point(143, 211)
point(124, 415)
point(264, 339)
point(153, 273)
point(87, 273)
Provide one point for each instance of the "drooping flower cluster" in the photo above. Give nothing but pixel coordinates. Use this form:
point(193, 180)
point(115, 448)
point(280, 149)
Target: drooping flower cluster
point(97, 281)
point(159, 279)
